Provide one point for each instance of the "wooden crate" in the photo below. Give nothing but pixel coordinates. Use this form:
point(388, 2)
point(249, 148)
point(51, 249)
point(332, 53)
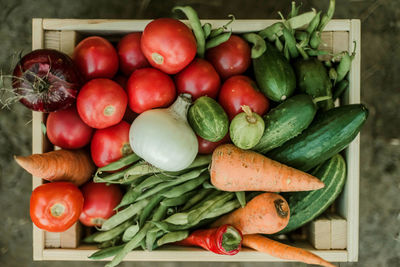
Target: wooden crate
point(63, 34)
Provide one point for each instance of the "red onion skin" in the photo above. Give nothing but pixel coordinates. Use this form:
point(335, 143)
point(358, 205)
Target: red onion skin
point(61, 80)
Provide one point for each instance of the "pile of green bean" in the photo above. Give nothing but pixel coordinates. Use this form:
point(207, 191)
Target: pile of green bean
point(158, 207)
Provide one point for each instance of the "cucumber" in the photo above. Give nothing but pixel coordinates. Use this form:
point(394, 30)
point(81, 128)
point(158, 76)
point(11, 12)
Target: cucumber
point(313, 79)
point(305, 206)
point(274, 74)
point(326, 136)
point(286, 121)
point(246, 128)
point(208, 119)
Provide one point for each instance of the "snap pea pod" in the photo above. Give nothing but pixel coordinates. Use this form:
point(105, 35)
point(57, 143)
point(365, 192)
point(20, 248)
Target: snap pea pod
point(314, 23)
point(172, 237)
point(217, 40)
point(271, 32)
point(114, 232)
point(130, 232)
point(187, 186)
point(194, 216)
point(128, 247)
point(182, 178)
point(290, 41)
point(197, 198)
point(154, 201)
point(259, 46)
point(241, 197)
point(207, 30)
point(328, 16)
point(124, 215)
point(218, 31)
point(315, 39)
point(151, 235)
point(177, 201)
point(194, 21)
point(122, 162)
point(106, 252)
point(340, 87)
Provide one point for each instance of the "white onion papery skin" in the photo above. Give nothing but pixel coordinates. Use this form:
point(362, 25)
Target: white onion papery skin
point(163, 139)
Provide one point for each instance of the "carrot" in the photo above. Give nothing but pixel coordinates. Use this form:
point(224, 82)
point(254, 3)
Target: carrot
point(74, 166)
point(283, 251)
point(234, 169)
point(267, 213)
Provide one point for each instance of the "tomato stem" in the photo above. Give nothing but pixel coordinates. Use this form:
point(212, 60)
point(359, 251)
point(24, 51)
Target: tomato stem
point(57, 210)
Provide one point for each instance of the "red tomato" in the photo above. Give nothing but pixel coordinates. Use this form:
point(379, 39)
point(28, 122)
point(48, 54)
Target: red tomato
point(168, 45)
point(207, 147)
point(95, 57)
point(101, 103)
point(241, 90)
point(150, 88)
point(110, 144)
point(66, 129)
point(231, 57)
point(56, 206)
point(130, 54)
point(99, 202)
point(198, 79)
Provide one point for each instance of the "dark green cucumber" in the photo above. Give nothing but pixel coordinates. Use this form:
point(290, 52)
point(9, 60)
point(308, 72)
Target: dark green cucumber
point(208, 119)
point(327, 135)
point(313, 79)
point(274, 74)
point(305, 206)
point(286, 121)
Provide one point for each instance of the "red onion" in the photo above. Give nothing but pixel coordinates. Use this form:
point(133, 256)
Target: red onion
point(46, 80)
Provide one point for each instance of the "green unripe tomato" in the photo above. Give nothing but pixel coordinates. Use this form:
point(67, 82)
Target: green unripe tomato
point(246, 129)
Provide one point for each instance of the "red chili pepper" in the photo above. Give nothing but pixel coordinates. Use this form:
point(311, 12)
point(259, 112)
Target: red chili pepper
point(225, 240)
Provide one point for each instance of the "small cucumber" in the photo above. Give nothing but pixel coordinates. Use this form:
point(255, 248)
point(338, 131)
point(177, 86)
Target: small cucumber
point(327, 135)
point(274, 74)
point(305, 206)
point(208, 119)
point(313, 79)
point(246, 128)
point(286, 121)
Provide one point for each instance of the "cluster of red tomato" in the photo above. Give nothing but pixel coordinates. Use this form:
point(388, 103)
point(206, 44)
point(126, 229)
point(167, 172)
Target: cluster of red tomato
point(146, 70)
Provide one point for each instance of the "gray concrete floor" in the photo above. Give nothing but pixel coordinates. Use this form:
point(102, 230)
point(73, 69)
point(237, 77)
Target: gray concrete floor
point(380, 140)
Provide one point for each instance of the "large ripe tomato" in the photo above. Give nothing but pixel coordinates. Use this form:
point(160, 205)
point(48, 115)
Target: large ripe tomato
point(168, 45)
point(130, 54)
point(101, 103)
point(207, 147)
point(231, 57)
point(56, 206)
point(198, 79)
point(110, 144)
point(67, 130)
point(95, 57)
point(150, 88)
point(100, 200)
point(241, 90)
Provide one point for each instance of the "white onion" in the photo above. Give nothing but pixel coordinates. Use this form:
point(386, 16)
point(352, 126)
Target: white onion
point(163, 137)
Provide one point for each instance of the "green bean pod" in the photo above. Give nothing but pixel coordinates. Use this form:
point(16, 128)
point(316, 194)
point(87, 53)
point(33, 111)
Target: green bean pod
point(107, 252)
point(314, 23)
point(301, 35)
point(340, 88)
point(241, 197)
point(226, 208)
point(220, 30)
point(152, 234)
point(294, 11)
point(271, 32)
point(178, 218)
point(207, 185)
point(333, 75)
point(187, 186)
point(290, 41)
point(110, 234)
point(209, 196)
point(154, 201)
point(124, 215)
point(172, 237)
point(177, 201)
point(194, 216)
point(301, 20)
point(328, 16)
point(219, 39)
point(315, 53)
point(130, 232)
point(197, 198)
point(315, 39)
point(195, 23)
point(344, 67)
point(259, 46)
point(207, 30)
point(278, 44)
point(119, 164)
point(302, 52)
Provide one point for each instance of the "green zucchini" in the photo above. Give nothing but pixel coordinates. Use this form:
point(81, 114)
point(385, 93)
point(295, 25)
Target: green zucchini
point(327, 135)
point(286, 121)
point(274, 74)
point(305, 206)
point(208, 119)
point(313, 79)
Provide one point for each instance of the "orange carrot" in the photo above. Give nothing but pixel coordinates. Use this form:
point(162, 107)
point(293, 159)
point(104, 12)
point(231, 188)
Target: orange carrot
point(283, 251)
point(267, 213)
point(234, 169)
point(74, 166)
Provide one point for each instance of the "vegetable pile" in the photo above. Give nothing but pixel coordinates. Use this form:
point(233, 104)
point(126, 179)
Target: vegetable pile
point(177, 121)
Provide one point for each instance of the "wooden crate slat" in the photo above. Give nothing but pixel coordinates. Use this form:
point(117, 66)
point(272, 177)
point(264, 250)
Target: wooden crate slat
point(320, 232)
